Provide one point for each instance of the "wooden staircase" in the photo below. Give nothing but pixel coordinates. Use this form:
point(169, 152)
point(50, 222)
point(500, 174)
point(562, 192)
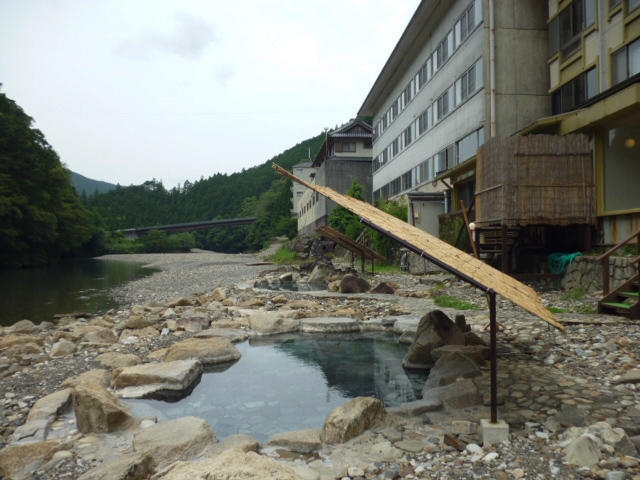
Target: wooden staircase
point(496, 240)
point(625, 299)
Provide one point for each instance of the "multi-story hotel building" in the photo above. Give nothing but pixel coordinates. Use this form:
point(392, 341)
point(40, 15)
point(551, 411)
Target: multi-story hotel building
point(462, 71)
point(594, 80)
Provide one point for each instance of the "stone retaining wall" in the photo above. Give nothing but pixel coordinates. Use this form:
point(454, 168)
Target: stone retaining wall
point(587, 272)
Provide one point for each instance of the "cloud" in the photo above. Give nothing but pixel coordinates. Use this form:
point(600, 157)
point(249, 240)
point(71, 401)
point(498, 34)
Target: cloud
point(224, 74)
point(190, 37)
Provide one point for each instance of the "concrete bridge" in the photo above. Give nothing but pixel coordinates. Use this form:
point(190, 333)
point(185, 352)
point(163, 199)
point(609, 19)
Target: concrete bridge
point(133, 233)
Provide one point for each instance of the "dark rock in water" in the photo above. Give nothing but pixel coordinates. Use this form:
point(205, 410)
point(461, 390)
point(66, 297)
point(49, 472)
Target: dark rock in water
point(383, 287)
point(353, 284)
point(449, 367)
point(434, 330)
point(321, 246)
point(471, 338)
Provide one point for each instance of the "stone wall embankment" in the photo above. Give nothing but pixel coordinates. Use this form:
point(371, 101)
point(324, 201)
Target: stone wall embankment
point(586, 272)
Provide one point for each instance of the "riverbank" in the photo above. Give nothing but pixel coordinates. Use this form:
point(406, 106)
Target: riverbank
point(552, 385)
point(183, 274)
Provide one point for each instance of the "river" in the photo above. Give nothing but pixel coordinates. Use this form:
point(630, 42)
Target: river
point(79, 285)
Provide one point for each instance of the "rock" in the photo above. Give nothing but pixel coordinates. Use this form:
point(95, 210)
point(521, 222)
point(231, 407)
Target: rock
point(43, 413)
point(417, 407)
point(233, 334)
point(477, 353)
point(383, 287)
point(62, 348)
point(136, 321)
point(181, 302)
point(403, 324)
point(100, 335)
point(471, 338)
point(460, 394)
point(302, 441)
point(20, 461)
point(231, 464)
point(301, 304)
point(219, 294)
point(193, 324)
point(616, 437)
point(449, 367)
point(23, 326)
point(411, 446)
point(209, 351)
point(463, 427)
point(21, 349)
point(158, 380)
point(434, 330)
point(353, 284)
point(351, 419)
point(98, 410)
point(320, 274)
point(334, 286)
point(569, 416)
point(147, 332)
point(584, 451)
point(97, 376)
point(246, 443)
point(632, 376)
point(118, 360)
point(132, 466)
point(175, 440)
point(329, 325)
point(457, 443)
point(18, 339)
point(271, 323)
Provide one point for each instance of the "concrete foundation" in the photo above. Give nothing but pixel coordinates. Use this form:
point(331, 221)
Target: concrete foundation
point(493, 432)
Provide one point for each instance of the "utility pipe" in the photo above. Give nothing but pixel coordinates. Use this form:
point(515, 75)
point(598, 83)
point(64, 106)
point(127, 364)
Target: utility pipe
point(492, 70)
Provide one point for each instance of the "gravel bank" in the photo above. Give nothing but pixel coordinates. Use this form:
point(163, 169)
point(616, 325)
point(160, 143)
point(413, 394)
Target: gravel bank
point(184, 274)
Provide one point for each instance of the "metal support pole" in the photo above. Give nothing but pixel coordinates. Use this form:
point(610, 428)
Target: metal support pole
point(493, 354)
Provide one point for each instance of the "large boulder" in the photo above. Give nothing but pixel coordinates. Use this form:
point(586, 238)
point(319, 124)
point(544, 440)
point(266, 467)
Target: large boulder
point(449, 367)
point(132, 466)
point(231, 464)
point(173, 440)
point(98, 410)
point(329, 325)
point(17, 339)
point(383, 287)
point(271, 323)
point(477, 353)
point(209, 351)
point(351, 419)
point(235, 335)
point(43, 413)
point(434, 330)
point(166, 380)
point(584, 451)
point(21, 461)
point(353, 284)
point(461, 394)
point(98, 376)
point(302, 441)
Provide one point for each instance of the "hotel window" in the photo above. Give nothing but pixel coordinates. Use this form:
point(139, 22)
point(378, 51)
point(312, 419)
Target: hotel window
point(614, 3)
point(406, 181)
point(574, 93)
point(633, 4)
point(565, 31)
point(626, 62)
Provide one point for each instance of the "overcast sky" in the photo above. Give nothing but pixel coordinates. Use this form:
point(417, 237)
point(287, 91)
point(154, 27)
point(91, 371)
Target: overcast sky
point(130, 90)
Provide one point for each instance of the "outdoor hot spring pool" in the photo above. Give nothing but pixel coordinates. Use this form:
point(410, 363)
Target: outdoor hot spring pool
point(293, 383)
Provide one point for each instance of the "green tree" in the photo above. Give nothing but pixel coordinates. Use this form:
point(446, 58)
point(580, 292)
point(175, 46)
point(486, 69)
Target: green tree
point(41, 218)
point(342, 219)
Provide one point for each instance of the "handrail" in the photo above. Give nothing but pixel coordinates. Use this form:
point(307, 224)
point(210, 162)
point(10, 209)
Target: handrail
point(604, 258)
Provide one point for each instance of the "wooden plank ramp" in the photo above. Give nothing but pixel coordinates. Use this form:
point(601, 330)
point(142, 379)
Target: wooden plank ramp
point(448, 257)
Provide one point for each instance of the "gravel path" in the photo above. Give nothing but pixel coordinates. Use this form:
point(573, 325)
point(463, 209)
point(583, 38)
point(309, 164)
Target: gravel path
point(184, 274)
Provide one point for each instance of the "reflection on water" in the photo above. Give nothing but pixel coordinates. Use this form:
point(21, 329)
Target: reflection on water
point(294, 384)
point(80, 285)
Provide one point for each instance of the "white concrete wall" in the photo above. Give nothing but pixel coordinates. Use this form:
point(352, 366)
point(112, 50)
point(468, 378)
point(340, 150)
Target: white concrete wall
point(466, 118)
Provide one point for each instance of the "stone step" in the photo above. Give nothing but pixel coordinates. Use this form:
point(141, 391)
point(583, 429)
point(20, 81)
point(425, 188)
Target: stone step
point(629, 294)
point(616, 305)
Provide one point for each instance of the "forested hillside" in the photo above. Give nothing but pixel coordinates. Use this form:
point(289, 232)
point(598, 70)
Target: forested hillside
point(88, 186)
point(41, 218)
point(257, 191)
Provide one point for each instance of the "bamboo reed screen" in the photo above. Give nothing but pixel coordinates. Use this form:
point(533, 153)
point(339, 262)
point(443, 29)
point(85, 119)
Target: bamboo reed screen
point(449, 257)
point(535, 180)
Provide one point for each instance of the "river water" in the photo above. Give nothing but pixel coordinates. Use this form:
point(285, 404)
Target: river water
point(79, 285)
